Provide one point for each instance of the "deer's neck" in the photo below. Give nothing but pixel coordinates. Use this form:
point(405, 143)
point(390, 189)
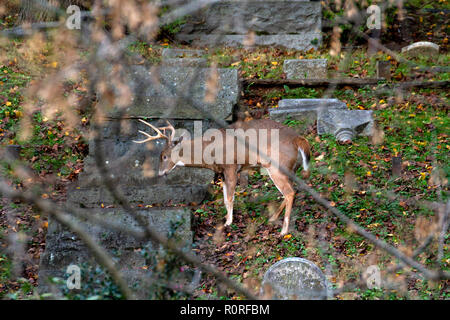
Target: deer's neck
point(192, 154)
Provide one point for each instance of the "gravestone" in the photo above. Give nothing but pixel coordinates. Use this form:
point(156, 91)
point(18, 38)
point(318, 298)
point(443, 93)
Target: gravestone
point(345, 125)
point(294, 24)
point(297, 279)
point(422, 48)
point(305, 68)
point(303, 110)
point(156, 89)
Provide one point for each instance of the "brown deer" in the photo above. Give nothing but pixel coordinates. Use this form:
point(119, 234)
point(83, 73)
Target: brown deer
point(227, 159)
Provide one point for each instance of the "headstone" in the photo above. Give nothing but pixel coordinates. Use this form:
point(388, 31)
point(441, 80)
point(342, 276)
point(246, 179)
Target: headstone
point(305, 68)
point(292, 24)
point(303, 110)
point(156, 89)
point(345, 124)
point(422, 48)
point(384, 69)
point(297, 279)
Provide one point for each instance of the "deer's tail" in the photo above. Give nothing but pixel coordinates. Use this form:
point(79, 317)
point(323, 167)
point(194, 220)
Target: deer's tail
point(305, 150)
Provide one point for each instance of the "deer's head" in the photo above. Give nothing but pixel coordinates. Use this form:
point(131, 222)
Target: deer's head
point(166, 161)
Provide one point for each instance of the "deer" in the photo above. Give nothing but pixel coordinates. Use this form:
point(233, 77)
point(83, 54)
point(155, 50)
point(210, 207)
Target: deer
point(293, 151)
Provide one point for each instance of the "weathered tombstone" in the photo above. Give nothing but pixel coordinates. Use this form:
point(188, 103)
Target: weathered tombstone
point(384, 69)
point(305, 68)
point(292, 24)
point(345, 124)
point(155, 90)
point(295, 278)
point(303, 110)
point(422, 48)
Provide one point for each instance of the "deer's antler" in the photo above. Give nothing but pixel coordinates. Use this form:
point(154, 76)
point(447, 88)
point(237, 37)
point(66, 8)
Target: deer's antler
point(158, 135)
point(171, 128)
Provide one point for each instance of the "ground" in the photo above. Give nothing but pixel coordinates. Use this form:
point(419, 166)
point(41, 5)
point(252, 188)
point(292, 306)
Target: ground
point(357, 178)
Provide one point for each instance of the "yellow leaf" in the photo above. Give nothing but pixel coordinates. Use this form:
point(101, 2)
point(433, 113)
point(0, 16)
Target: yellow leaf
point(288, 236)
point(8, 103)
point(274, 63)
point(369, 173)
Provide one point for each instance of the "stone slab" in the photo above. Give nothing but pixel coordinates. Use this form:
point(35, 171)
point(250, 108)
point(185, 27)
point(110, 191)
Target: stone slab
point(304, 110)
point(290, 23)
point(162, 93)
point(305, 68)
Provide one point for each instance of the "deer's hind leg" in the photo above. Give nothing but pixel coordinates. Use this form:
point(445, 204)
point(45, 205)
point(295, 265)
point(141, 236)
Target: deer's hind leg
point(229, 185)
point(284, 185)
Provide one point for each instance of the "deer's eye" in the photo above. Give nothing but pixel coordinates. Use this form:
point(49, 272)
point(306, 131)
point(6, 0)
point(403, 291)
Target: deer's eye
point(164, 158)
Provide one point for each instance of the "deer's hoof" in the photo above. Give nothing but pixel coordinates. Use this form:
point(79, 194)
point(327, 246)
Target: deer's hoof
point(228, 223)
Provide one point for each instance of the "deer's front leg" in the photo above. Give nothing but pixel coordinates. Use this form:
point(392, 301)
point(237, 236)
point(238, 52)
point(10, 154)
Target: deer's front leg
point(229, 185)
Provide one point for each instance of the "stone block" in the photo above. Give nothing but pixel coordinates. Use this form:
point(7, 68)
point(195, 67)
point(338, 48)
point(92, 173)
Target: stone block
point(305, 68)
point(292, 24)
point(303, 110)
point(162, 93)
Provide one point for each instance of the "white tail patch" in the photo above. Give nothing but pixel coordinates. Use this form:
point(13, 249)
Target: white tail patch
point(305, 163)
